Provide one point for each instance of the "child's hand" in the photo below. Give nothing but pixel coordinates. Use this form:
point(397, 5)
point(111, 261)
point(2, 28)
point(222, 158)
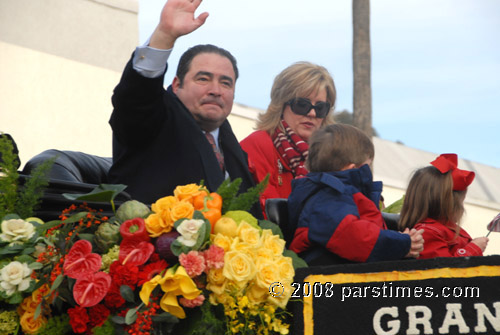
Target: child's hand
point(481, 242)
point(417, 242)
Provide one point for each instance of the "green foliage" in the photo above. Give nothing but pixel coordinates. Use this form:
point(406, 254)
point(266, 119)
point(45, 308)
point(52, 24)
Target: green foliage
point(14, 199)
point(8, 178)
point(395, 207)
point(102, 193)
point(228, 190)
point(58, 324)
point(30, 197)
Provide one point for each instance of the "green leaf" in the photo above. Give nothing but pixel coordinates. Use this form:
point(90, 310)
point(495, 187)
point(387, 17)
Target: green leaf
point(12, 249)
point(86, 236)
point(24, 259)
point(56, 283)
point(38, 311)
point(127, 293)
point(296, 260)
point(10, 217)
point(28, 251)
point(179, 248)
point(102, 193)
point(131, 315)
point(118, 319)
point(35, 266)
point(16, 298)
point(266, 224)
point(165, 317)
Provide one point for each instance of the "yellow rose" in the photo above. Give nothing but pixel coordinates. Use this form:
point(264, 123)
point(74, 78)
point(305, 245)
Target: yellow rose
point(181, 210)
point(272, 242)
point(222, 241)
point(282, 300)
point(266, 274)
point(238, 267)
point(244, 247)
point(285, 267)
point(155, 225)
point(162, 206)
point(262, 254)
point(216, 281)
point(249, 234)
point(257, 294)
point(187, 192)
point(29, 324)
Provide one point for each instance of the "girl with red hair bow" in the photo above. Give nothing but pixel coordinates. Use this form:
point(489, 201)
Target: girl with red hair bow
point(434, 201)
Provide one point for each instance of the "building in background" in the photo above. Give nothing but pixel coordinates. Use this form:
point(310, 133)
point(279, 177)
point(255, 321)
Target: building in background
point(61, 59)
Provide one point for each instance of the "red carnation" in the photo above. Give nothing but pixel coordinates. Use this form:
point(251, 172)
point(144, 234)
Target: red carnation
point(98, 315)
point(78, 319)
point(124, 274)
point(114, 298)
point(134, 228)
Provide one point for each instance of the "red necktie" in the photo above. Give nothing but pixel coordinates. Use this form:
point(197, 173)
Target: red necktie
point(217, 152)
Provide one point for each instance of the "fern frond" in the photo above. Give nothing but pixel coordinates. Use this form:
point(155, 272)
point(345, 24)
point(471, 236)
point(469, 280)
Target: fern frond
point(9, 176)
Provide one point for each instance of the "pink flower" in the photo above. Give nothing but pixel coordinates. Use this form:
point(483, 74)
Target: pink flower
point(193, 262)
point(192, 303)
point(214, 257)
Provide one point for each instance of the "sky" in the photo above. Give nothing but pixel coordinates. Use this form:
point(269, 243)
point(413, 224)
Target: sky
point(435, 63)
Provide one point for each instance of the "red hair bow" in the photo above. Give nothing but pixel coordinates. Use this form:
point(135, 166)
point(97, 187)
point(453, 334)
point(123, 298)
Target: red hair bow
point(461, 178)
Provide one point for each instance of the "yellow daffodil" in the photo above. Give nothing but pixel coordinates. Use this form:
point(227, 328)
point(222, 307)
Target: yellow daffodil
point(176, 282)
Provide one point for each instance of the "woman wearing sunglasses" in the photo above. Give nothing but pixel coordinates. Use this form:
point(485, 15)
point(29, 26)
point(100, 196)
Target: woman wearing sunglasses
point(302, 99)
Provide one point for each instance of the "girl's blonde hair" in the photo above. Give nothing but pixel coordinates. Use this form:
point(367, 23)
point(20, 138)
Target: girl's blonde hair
point(300, 79)
point(430, 195)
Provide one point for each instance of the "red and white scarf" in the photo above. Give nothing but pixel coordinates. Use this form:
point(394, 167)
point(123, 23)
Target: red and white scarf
point(292, 148)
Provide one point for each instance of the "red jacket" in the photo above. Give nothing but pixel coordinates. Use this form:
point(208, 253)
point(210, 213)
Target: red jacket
point(263, 158)
point(442, 241)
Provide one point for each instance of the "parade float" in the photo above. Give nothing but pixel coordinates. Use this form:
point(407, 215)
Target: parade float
point(80, 258)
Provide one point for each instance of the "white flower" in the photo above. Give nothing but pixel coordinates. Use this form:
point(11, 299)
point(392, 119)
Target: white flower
point(16, 230)
point(15, 277)
point(189, 231)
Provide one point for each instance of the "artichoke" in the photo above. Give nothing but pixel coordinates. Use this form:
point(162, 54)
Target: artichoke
point(132, 209)
point(107, 236)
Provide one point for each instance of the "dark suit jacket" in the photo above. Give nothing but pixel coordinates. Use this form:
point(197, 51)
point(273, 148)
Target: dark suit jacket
point(157, 145)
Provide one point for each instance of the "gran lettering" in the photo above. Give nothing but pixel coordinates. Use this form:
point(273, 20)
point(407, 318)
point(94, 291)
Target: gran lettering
point(387, 320)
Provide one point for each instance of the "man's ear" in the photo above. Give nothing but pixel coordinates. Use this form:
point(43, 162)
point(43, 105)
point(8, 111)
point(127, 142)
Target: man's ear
point(348, 167)
point(176, 83)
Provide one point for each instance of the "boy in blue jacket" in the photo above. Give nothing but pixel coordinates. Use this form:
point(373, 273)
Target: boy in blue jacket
point(335, 208)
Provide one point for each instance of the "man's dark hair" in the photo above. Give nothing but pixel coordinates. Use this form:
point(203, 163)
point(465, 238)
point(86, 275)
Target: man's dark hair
point(187, 58)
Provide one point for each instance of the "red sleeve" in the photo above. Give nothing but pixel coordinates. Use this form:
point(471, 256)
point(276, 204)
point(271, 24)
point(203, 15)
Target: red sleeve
point(437, 244)
point(262, 159)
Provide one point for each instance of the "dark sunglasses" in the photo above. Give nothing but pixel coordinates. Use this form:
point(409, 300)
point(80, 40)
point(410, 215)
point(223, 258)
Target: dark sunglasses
point(302, 106)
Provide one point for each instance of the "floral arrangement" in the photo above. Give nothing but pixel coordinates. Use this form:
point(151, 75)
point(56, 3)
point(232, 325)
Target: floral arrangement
point(195, 262)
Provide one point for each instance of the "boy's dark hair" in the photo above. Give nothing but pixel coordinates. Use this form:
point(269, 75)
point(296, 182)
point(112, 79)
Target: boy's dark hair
point(187, 58)
point(335, 146)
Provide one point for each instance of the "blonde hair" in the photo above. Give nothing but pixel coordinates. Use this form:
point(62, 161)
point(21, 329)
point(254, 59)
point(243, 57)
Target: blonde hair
point(300, 79)
point(335, 146)
point(430, 195)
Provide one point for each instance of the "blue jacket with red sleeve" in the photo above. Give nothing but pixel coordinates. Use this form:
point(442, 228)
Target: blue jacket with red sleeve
point(338, 219)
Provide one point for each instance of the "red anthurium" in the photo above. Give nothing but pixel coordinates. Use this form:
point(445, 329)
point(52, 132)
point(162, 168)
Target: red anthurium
point(89, 290)
point(81, 261)
point(134, 228)
point(134, 251)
